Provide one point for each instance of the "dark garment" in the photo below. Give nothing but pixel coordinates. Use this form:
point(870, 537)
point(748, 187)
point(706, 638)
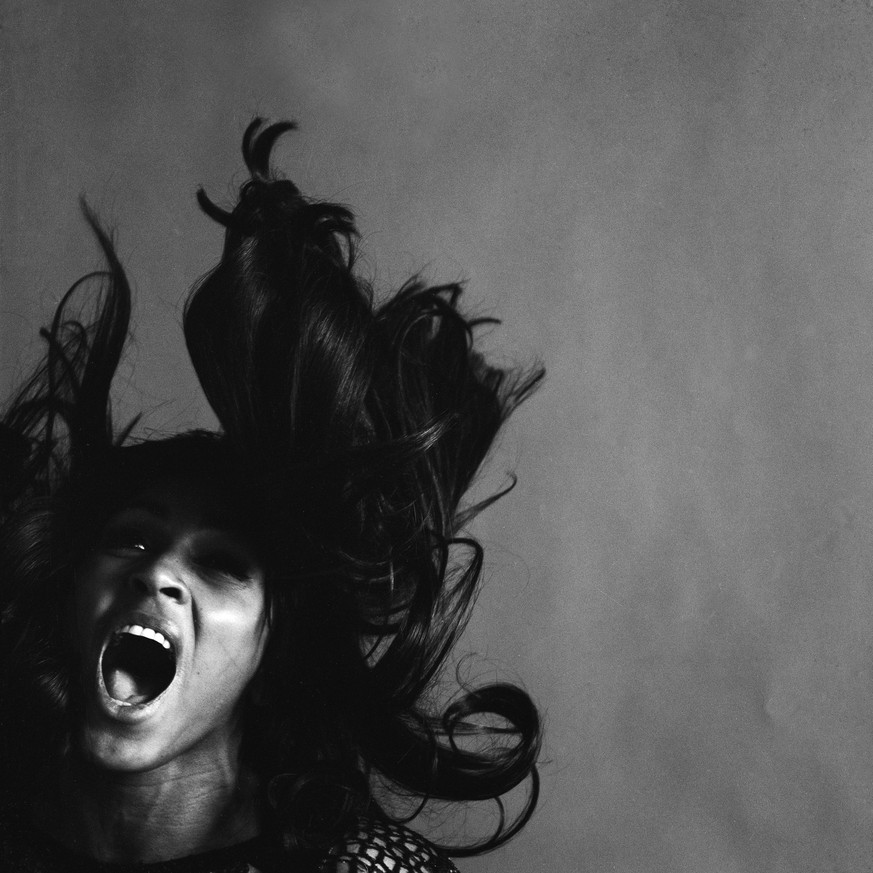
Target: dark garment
point(375, 847)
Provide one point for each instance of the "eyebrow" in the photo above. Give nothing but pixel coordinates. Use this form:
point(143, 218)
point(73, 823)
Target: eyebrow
point(220, 522)
point(154, 507)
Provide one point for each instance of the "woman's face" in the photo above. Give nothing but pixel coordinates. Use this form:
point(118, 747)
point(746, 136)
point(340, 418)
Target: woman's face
point(171, 620)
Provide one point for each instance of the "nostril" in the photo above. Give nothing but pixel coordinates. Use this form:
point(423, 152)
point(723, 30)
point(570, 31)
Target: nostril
point(174, 592)
point(157, 581)
point(139, 585)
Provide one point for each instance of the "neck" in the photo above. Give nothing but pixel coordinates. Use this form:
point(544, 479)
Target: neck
point(166, 813)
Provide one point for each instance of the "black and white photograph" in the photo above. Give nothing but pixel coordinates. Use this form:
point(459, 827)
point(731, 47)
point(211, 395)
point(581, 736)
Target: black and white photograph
point(436, 437)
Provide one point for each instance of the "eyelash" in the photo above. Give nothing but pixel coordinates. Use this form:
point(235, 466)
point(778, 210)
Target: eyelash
point(124, 539)
point(225, 564)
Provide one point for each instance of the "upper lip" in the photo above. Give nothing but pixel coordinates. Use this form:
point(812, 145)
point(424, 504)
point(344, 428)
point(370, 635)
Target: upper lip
point(145, 619)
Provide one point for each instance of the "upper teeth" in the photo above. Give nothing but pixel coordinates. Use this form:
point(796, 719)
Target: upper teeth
point(139, 631)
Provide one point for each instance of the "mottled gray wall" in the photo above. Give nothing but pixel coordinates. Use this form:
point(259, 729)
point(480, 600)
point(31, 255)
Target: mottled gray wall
point(669, 201)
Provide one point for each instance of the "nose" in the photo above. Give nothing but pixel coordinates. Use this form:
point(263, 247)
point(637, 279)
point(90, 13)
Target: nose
point(161, 578)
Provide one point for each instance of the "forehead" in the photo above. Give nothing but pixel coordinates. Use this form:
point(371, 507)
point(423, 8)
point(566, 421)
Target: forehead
point(189, 503)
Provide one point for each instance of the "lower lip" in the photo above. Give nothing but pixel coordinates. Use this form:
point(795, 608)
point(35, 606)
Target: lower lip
point(129, 713)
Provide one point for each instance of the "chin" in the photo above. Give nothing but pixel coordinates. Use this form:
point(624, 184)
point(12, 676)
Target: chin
point(156, 744)
point(110, 750)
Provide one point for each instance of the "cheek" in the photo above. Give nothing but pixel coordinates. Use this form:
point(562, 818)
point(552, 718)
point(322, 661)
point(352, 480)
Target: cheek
point(94, 589)
point(87, 598)
point(238, 635)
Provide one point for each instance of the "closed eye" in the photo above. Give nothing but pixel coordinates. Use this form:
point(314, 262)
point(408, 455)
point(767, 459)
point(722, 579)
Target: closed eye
point(226, 563)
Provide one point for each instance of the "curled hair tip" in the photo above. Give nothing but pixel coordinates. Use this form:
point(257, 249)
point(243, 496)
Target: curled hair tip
point(258, 142)
point(215, 212)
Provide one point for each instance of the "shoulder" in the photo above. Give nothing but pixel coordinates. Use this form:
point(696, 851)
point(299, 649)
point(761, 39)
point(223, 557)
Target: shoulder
point(383, 847)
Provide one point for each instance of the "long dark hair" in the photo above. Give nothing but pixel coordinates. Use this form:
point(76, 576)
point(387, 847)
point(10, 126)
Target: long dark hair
point(354, 427)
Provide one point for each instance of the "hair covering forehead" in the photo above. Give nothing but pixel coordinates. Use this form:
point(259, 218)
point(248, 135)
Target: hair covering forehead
point(200, 460)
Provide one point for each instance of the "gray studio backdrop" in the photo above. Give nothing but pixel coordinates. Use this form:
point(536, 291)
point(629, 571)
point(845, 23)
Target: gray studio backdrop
point(672, 203)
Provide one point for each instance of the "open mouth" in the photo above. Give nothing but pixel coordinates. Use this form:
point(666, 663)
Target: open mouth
point(138, 665)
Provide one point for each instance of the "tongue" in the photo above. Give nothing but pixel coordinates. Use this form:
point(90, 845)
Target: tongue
point(127, 688)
